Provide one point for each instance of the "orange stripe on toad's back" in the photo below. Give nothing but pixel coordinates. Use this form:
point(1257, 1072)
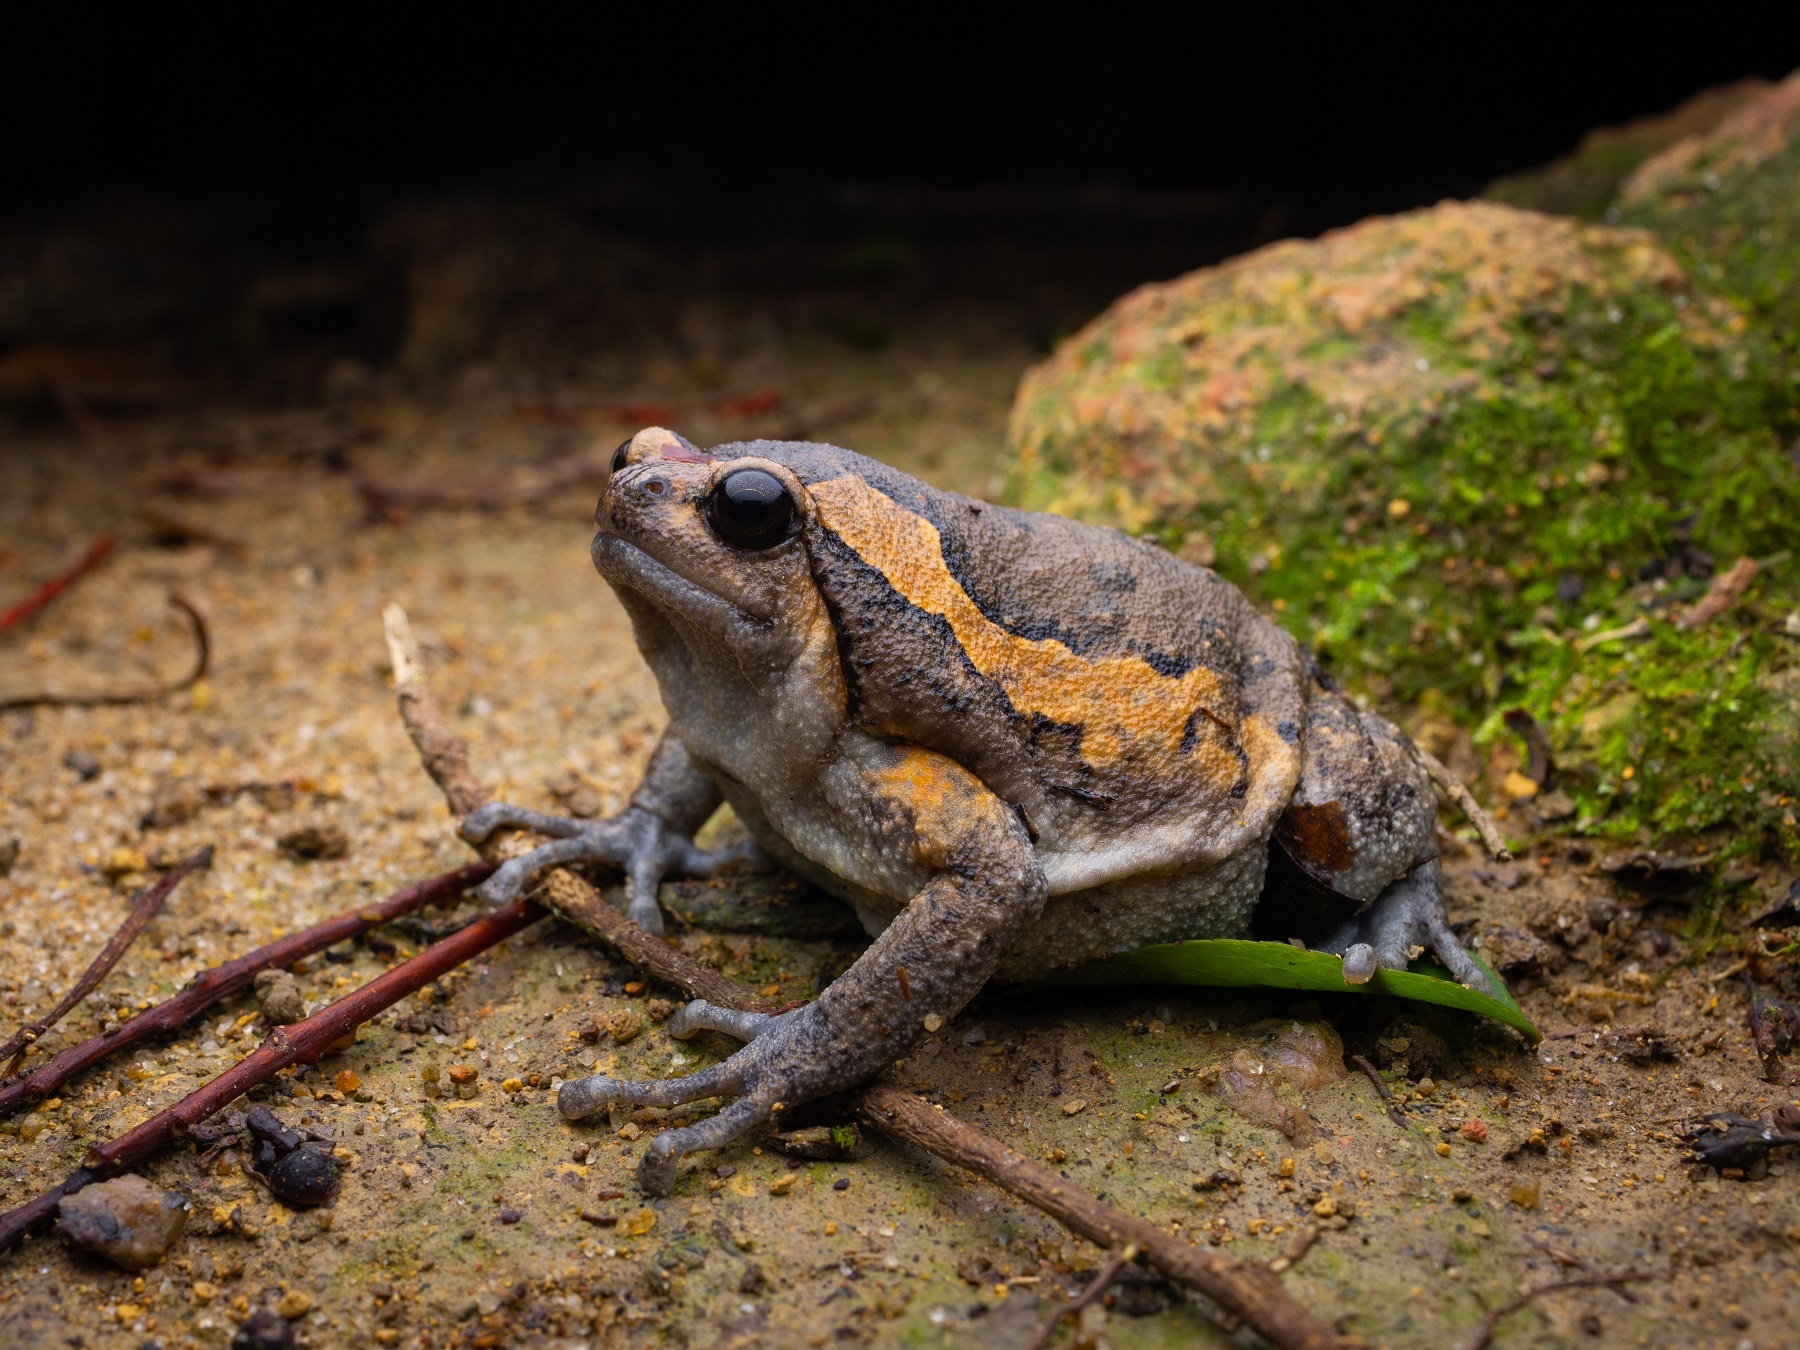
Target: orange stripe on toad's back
point(1123, 706)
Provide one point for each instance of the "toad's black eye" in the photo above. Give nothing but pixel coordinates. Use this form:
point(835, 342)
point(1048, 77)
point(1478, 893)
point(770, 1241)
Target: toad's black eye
point(618, 460)
point(751, 510)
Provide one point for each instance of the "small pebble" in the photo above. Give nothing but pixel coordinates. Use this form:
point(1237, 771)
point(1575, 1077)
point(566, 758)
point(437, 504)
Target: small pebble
point(294, 1303)
point(307, 1177)
point(623, 1025)
point(126, 1220)
point(317, 842)
point(263, 1329)
point(84, 764)
point(278, 995)
point(783, 1183)
point(841, 1184)
point(510, 1216)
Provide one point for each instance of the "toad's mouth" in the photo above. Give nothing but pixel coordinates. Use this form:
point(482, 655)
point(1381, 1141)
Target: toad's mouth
point(628, 567)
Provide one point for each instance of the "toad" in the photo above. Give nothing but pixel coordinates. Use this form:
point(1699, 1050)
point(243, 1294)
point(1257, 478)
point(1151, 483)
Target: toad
point(1012, 742)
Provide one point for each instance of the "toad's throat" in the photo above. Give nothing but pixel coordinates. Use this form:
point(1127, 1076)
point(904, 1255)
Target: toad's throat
point(1124, 706)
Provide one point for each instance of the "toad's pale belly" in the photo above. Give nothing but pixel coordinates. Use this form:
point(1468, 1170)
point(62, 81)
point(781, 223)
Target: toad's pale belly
point(1138, 911)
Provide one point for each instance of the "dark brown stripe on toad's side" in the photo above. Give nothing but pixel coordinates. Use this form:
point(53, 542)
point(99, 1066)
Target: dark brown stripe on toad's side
point(1317, 836)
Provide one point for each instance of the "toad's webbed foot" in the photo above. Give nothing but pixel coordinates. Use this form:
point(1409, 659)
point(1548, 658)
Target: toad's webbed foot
point(790, 1058)
point(1405, 920)
point(636, 840)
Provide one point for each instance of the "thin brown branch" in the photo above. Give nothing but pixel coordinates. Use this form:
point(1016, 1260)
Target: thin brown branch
point(202, 655)
point(145, 906)
point(1101, 1282)
point(1247, 1291)
point(1466, 803)
point(90, 423)
point(1387, 1098)
point(1722, 593)
point(210, 986)
point(1250, 1292)
point(444, 755)
point(1484, 1334)
point(393, 499)
point(1298, 1246)
point(305, 1040)
point(43, 595)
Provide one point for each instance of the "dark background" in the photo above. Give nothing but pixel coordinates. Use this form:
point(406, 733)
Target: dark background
point(162, 175)
point(1333, 114)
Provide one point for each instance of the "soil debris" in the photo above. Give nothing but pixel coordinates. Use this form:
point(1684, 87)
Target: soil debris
point(315, 842)
point(278, 995)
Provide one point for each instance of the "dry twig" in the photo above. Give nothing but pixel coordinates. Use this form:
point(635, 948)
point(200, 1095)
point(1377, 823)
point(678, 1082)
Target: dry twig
point(202, 654)
point(305, 1040)
point(210, 986)
point(1637, 628)
point(1298, 1246)
point(1249, 1292)
point(1101, 1282)
point(1722, 593)
point(1387, 1098)
point(43, 595)
point(1484, 1334)
point(393, 499)
point(89, 422)
point(1466, 803)
point(144, 907)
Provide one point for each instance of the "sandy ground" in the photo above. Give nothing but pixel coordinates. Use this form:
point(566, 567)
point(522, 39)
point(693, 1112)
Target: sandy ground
point(460, 1220)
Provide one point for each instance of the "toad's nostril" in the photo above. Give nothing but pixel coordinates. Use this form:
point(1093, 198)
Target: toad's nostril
point(655, 486)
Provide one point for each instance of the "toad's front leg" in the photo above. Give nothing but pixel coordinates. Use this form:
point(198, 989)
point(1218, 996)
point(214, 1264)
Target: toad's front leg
point(984, 886)
point(651, 838)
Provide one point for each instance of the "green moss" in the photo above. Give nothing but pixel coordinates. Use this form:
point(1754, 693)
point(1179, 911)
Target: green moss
point(1445, 447)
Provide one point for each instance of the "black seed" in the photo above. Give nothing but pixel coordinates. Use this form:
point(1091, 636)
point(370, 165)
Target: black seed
point(264, 1329)
point(307, 1177)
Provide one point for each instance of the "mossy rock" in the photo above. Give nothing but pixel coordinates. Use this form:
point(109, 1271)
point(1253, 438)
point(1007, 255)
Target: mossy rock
point(1726, 202)
point(1443, 448)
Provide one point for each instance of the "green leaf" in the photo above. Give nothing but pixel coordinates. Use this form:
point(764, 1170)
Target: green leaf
point(1237, 964)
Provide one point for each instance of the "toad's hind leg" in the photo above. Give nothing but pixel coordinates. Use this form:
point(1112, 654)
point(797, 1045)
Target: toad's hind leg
point(1363, 813)
point(1360, 826)
point(1406, 920)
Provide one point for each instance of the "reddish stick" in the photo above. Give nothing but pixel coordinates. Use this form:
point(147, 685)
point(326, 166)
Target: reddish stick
point(202, 653)
point(209, 986)
point(144, 907)
point(286, 1045)
point(43, 595)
